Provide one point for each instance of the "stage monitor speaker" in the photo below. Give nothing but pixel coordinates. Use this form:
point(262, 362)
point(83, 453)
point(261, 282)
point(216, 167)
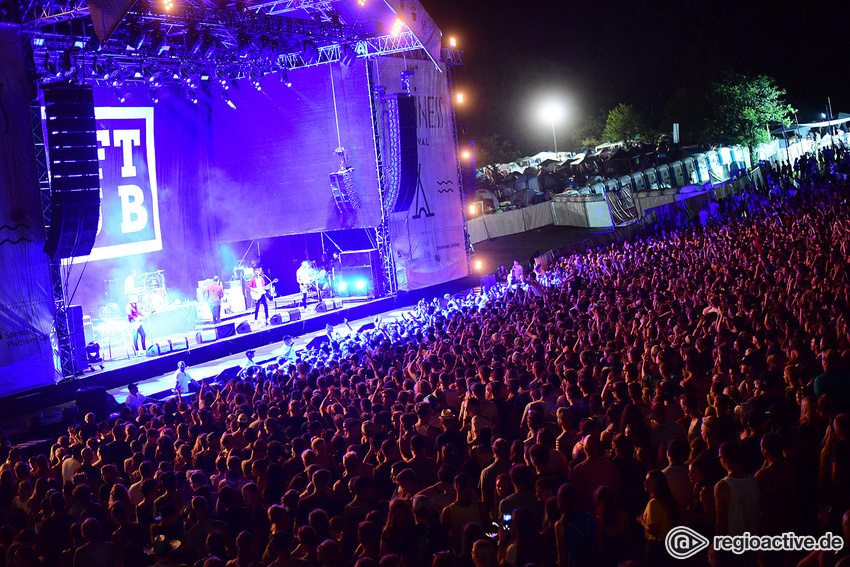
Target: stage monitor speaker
point(179, 344)
point(243, 328)
point(205, 336)
point(224, 330)
point(74, 171)
point(294, 314)
point(93, 400)
point(158, 349)
point(326, 305)
point(276, 319)
point(77, 336)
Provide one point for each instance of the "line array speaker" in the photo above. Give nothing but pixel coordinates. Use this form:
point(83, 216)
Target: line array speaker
point(74, 171)
point(408, 159)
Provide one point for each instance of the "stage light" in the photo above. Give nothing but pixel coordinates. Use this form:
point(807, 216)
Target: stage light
point(123, 95)
point(452, 42)
point(157, 79)
point(201, 44)
point(360, 285)
point(309, 52)
point(135, 39)
point(167, 5)
point(243, 41)
point(361, 3)
point(255, 80)
point(459, 98)
point(284, 78)
point(68, 68)
point(472, 210)
point(342, 286)
point(465, 154)
point(116, 77)
point(153, 95)
point(398, 25)
point(348, 56)
point(226, 97)
point(478, 265)
point(194, 81)
point(192, 96)
point(100, 71)
point(159, 42)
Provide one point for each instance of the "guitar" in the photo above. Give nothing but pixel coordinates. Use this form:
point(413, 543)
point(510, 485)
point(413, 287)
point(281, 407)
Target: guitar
point(138, 319)
point(307, 279)
point(258, 292)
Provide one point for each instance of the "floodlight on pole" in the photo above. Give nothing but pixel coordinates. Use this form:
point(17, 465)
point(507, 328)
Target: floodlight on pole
point(553, 112)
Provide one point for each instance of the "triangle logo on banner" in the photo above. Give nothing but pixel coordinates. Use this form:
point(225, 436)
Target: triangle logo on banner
point(106, 15)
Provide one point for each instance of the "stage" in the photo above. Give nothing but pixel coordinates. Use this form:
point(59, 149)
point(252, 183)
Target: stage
point(35, 416)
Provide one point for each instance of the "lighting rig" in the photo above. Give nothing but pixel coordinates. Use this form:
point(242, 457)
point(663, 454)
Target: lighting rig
point(197, 45)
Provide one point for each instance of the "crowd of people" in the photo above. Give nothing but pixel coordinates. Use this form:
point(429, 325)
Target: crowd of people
point(698, 378)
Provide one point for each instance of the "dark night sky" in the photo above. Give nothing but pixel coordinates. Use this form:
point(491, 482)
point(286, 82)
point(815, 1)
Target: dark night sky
point(596, 54)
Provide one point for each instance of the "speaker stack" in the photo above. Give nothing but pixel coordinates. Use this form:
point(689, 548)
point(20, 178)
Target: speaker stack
point(74, 171)
point(364, 264)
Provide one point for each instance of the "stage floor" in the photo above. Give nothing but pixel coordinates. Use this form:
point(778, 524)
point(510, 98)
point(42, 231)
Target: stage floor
point(117, 350)
point(33, 419)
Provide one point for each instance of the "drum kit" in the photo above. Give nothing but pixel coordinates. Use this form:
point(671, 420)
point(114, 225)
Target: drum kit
point(153, 295)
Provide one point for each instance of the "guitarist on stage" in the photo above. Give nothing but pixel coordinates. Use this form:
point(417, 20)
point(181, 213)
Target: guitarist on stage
point(136, 317)
point(260, 283)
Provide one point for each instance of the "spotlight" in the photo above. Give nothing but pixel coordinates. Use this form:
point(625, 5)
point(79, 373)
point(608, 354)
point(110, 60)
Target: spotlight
point(157, 79)
point(123, 95)
point(473, 209)
point(478, 265)
point(50, 66)
point(398, 25)
point(135, 39)
point(459, 98)
point(361, 3)
point(205, 45)
point(309, 52)
point(153, 95)
point(100, 71)
point(243, 41)
point(360, 285)
point(159, 42)
point(255, 80)
point(342, 286)
point(226, 97)
point(194, 81)
point(68, 68)
point(192, 96)
point(168, 5)
point(284, 78)
point(465, 154)
point(347, 56)
point(116, 78)
point(452, 42)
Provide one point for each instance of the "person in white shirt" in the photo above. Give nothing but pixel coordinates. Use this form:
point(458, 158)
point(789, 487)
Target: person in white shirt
point(287, 350)
point(134, 400)
point(72, 463)
point(182, 379)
